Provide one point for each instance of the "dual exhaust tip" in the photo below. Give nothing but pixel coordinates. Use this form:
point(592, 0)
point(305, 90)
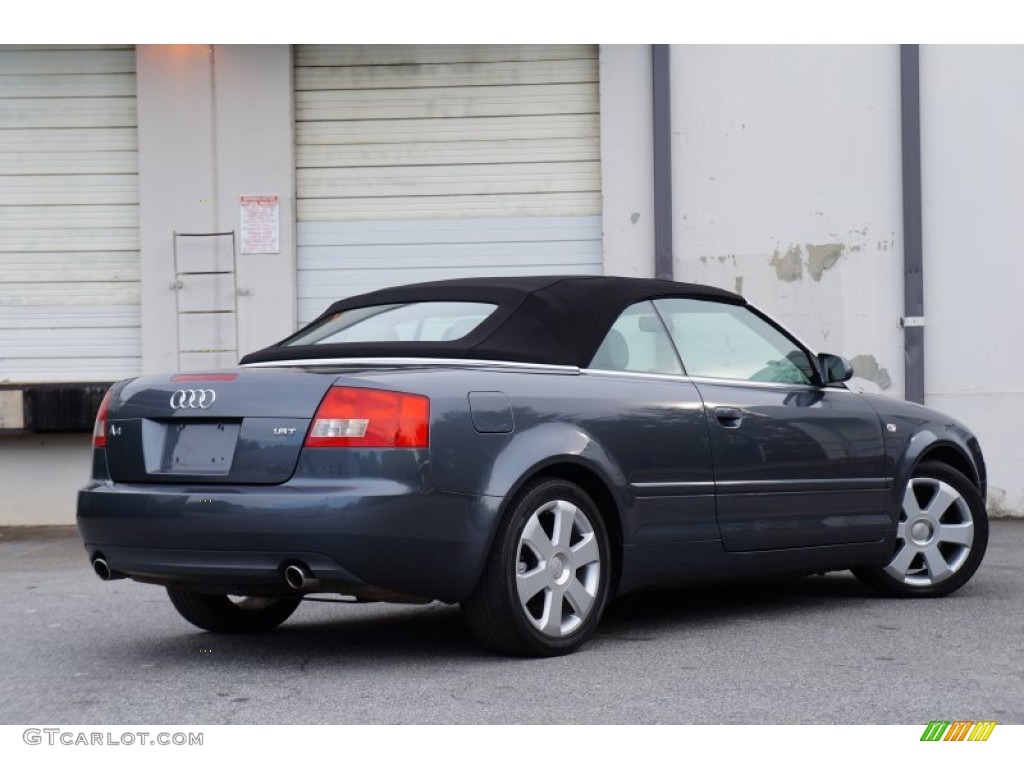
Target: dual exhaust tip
point(296, 575)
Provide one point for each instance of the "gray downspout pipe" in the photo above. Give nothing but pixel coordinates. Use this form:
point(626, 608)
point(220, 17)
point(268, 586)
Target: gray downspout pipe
point(913, 248)
point(662, 155)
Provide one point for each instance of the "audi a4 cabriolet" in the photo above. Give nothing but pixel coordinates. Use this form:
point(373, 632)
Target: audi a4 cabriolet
point(527, 447)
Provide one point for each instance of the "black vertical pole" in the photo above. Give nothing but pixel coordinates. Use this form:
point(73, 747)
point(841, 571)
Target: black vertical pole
point(662, 120)
point(913, 248)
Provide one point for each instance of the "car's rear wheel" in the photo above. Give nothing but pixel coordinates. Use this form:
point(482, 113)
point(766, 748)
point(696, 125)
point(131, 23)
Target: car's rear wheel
point(940, 538)
point(221, 613)
point(546, 582)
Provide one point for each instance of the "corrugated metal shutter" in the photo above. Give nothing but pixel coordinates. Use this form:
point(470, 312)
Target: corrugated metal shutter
point(427, 162)
point(69, 224)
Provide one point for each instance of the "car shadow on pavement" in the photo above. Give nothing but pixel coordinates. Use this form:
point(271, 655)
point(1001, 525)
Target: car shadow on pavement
point(354, 636)
point(396, 632)
point(702, 606)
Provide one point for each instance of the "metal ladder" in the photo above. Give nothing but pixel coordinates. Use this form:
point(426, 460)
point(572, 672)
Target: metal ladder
point(216, 344)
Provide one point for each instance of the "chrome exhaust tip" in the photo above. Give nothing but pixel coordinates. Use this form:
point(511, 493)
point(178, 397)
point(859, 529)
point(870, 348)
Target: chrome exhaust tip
point(299, 578)
point(99, 565)
point(102, 569)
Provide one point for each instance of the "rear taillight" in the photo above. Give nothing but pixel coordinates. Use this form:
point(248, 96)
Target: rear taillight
point(99, 430)
point(370, 418)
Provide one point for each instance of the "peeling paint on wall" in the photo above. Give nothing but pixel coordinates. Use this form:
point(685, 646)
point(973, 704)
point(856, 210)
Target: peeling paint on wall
point(823, 257)
point(790, 267)
point(634, 218)
point(720, 259)
point(738, 287)
point(867, 367)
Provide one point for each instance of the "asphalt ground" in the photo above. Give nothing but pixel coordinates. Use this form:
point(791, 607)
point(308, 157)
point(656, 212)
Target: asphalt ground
point(822, 649)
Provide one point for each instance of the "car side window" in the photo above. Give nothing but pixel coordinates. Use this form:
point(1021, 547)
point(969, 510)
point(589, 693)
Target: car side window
point(637, 342)
point(729, 341)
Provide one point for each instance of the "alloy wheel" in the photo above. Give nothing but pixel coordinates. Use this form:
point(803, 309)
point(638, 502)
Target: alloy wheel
point(934, 535)
point(558, 568)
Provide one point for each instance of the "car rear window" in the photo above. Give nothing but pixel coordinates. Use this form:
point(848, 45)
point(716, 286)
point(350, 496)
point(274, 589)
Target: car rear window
point(417, 321)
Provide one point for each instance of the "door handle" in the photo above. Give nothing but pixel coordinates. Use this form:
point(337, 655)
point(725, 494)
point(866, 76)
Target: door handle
point(729, 417)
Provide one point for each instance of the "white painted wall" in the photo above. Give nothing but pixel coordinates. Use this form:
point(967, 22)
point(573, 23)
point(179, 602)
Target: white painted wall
point(972, 153)
point(787, 189)
point(256, 156)
point(215, 123)
point(627, 172)
point(176, 177)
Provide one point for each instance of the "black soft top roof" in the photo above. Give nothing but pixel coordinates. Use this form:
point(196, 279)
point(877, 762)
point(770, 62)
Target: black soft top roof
point(559, 320)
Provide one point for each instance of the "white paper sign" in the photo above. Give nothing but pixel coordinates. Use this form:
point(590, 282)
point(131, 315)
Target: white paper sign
point(261, 224)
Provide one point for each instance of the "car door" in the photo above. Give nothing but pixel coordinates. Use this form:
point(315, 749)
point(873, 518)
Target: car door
point(653, 424)
point(795, 464)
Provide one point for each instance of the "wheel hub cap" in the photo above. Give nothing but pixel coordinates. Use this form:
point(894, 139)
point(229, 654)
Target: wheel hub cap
point(921, 532)
point(559, 568)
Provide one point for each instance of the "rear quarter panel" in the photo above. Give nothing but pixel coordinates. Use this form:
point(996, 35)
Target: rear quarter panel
point(626, 430)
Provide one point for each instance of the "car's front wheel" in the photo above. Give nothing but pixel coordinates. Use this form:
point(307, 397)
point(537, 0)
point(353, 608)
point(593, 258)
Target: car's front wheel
point(940, 538)
point(545, 584)
point(221, 613)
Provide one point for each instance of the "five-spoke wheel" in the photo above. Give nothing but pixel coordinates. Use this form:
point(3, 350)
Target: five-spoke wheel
point(940, 538)
point(546, 582)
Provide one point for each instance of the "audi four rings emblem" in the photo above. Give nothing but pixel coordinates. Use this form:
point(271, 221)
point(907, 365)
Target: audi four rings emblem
point(193, 398)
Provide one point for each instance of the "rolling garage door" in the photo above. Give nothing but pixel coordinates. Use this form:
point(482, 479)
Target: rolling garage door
point(69, 242)
point(430, 162)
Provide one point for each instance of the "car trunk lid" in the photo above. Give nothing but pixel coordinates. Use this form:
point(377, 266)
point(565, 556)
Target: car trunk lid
point(244, 426)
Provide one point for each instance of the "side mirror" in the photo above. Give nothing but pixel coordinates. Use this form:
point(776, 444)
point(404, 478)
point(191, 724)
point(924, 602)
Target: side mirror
point(835, 369)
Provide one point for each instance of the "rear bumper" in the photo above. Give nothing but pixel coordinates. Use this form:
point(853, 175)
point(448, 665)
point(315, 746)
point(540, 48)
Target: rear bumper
point(223, 571)
point(354, 538)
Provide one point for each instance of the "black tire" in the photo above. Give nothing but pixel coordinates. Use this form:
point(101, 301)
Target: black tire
point(941, 536)
point(568, 562)
point(219, 613)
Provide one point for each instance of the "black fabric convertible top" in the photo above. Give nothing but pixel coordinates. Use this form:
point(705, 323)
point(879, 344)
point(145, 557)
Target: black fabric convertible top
point(558, 320)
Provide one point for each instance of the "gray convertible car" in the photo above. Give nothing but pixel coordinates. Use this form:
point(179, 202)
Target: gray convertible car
point(528, 448)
